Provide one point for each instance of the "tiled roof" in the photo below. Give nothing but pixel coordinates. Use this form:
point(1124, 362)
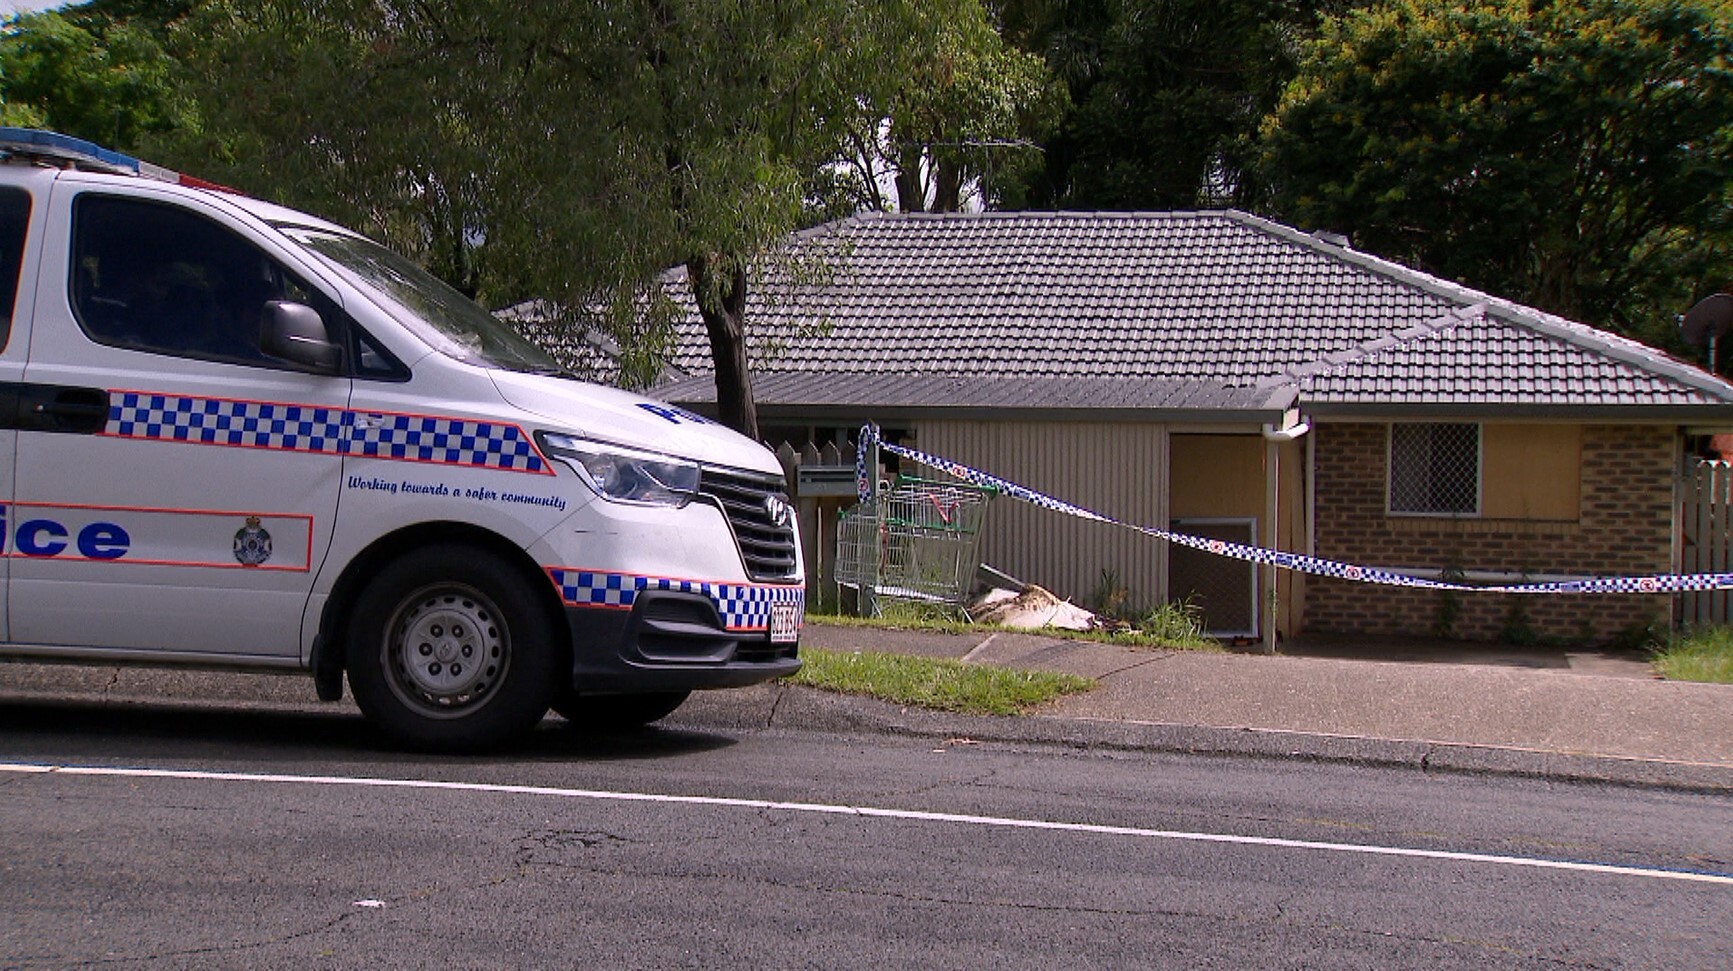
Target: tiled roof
point(577, 345)
point(1199, 304)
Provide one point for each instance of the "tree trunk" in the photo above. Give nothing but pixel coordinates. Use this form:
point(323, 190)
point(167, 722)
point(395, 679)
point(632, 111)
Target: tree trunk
point(722, 303)
point(911, 188)
point(948, 181)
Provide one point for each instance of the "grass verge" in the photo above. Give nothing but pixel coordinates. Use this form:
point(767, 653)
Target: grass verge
point(1701, 655)
point(937, 683)
point(897, 617)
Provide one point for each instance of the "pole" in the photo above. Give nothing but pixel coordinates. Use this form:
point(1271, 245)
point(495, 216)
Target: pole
point(868, 460)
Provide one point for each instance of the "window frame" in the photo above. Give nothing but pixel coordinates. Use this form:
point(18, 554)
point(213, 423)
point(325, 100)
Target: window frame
point(1479, 473)
point(343, 329)
point(12, 273)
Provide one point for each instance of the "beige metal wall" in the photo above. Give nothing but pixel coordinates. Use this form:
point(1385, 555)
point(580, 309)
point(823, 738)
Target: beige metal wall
point(1291, 535)
point(1117, 469)
point(1229, 475)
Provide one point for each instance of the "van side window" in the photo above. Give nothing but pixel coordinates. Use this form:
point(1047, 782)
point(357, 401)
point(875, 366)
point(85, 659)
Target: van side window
point(14, 220)
point(372, 360)
point(157, 278)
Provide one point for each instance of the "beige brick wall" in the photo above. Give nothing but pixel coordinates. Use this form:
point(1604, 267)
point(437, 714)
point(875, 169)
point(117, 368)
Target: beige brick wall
point(1624, 527)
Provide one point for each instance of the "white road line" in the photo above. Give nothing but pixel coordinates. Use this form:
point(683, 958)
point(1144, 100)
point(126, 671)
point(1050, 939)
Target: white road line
point(876, 813)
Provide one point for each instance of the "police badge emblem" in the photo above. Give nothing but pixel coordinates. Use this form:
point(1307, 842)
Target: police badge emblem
point(252, 543)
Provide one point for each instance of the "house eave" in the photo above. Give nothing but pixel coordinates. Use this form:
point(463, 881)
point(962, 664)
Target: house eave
point(851, 414)
point(1481, 411)
point(835, 397)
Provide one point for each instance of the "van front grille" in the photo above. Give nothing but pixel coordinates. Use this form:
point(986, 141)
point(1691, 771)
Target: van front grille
point(751, 503)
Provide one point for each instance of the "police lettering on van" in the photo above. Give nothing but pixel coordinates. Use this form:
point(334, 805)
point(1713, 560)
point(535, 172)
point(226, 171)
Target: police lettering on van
point(247, 437)
point(41, 536)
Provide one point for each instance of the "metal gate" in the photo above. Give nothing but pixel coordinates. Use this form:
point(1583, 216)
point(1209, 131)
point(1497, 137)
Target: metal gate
point(1706, 540)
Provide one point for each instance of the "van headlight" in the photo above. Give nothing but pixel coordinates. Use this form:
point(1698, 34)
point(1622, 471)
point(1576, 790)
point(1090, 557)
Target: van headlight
point(625, 474)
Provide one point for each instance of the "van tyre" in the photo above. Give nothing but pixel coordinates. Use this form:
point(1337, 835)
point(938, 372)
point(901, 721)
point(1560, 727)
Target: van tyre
point(618, 712)
point(449, 648)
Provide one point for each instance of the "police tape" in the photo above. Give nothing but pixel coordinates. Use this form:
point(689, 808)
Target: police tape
point(1298, 562)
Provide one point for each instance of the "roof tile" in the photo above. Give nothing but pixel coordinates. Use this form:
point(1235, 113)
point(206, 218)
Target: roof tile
point(1205, 299)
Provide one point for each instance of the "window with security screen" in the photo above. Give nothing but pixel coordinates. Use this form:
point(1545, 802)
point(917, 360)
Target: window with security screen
point(1435, 469)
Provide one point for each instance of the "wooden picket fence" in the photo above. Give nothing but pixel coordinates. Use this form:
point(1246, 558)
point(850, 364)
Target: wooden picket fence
point(819, 503)
point(1706, 540)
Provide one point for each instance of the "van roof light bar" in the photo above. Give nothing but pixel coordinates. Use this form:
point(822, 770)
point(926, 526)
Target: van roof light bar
point(55, 148)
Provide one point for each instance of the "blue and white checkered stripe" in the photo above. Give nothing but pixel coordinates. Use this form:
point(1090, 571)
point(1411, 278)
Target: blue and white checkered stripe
point(326, 430)
point(742, 606)
point(448, 441)
point(216, 421)
point(1665, 583)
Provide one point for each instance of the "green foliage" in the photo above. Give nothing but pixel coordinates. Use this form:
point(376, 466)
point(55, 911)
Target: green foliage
point(916, 614)
point(941, 684)
point(898, 618)
point(1110, 599)
point(1165, 95)
point(1449, 604)
point(20, 115)
point(1128, 635)
point(1705, 654)
point(1577, 156)
point(152, 15)
point(1177, 623)
point(1518, 627)
point(954, 107)
point(1647, 635)
point(109, 82)
point(573, 153)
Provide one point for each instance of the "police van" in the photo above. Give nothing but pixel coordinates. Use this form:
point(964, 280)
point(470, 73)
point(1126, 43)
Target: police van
point(238, 436)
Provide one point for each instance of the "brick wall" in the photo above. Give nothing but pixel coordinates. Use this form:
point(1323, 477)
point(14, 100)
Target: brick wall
point(1625, 527)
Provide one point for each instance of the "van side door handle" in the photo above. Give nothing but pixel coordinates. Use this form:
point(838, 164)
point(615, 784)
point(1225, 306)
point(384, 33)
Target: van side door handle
point(53, 408)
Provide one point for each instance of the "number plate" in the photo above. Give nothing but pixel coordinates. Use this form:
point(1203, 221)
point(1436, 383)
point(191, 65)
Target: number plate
point(784, 623)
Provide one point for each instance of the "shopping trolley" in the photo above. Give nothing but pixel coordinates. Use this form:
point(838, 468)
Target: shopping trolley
point(918, 542)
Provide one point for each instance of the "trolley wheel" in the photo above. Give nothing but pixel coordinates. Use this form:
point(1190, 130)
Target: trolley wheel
point(449, 649)
point(616, 712)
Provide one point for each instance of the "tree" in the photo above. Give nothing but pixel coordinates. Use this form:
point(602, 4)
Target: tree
point(1577, 155)
point(1165, 95)
point(956, 112)
point(340, 109)
point(566, 152)
point(107, 81)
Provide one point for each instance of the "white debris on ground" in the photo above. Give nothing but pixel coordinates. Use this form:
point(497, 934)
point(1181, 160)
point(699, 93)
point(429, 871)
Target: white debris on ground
point(1032, 609)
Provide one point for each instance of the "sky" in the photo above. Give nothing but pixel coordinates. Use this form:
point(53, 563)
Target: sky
point(8, 7)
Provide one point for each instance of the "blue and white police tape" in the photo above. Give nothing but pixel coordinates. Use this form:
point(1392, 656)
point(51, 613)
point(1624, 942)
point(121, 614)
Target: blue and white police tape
point(1667, 583)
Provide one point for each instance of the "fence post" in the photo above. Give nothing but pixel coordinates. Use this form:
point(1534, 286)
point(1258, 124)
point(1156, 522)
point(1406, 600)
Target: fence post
point(869, 606)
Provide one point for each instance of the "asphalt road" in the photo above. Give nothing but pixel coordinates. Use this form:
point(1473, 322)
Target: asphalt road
point(164, 838)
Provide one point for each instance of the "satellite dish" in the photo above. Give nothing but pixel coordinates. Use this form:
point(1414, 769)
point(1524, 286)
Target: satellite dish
point(1708, 321)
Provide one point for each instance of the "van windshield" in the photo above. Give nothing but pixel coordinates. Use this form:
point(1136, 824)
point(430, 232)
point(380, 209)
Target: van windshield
point(447, 320)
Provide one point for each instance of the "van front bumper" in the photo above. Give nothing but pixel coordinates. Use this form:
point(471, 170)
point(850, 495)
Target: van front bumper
point(630, 635)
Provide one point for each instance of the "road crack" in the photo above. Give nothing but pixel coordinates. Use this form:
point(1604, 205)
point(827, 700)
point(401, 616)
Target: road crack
point(1169, 655)
point(776, 706)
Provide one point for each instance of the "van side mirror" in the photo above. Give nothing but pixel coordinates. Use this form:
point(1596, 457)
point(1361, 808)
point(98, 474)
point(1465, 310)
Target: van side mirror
point(294, 332)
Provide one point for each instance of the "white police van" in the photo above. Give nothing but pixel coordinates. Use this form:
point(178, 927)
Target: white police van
point(234, 435)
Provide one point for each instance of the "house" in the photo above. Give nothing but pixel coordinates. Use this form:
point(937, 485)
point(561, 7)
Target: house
point(1232, 377)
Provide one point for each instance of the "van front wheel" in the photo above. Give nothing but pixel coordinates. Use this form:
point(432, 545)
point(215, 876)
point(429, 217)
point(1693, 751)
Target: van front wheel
point(448, 649)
